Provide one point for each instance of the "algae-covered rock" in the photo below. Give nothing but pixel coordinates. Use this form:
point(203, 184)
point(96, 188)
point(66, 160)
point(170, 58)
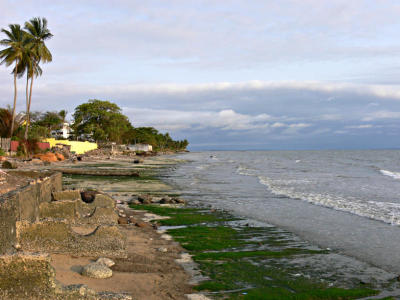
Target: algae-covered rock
point(97, 270)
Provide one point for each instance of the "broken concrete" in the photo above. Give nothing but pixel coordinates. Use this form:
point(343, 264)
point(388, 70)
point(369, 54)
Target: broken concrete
point(66, 195)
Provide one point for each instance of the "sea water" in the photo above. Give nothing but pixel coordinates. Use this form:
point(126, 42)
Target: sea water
point(348, 201)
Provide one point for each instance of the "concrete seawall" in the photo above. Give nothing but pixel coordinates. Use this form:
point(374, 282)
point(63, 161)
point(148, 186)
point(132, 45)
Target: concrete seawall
point(22, 204)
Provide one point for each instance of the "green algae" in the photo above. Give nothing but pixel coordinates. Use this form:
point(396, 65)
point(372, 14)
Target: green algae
point(221, 249)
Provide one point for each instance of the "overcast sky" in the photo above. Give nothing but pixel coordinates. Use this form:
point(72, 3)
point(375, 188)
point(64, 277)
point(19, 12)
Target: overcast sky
point(287, 74)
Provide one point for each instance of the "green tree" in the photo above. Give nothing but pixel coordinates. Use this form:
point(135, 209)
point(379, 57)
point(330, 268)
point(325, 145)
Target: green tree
point(6, 119)
point(16, 43)
point(102, 120)
point(36, 52)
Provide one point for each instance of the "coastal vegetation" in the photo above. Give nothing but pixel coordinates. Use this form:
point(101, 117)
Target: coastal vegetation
point(104, 122)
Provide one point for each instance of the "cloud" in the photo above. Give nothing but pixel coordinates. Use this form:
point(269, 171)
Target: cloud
point(381, 115)
point(363, 126)
point(198, 120)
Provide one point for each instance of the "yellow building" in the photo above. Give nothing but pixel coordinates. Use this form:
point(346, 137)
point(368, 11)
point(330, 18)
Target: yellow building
point(76, 146)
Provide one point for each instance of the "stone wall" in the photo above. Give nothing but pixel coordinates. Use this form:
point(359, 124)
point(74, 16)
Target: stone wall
point(22, 204)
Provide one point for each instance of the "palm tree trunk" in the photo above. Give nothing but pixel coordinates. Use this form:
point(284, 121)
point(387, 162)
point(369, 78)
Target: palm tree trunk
point(15, 100)
point(29, 104)
point(27, 108)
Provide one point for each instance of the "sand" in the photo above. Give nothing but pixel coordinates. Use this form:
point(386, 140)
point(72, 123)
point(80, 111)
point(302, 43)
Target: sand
point(147, 272)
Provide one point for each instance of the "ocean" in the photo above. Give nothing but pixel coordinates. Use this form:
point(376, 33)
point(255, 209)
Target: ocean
point(348, 201)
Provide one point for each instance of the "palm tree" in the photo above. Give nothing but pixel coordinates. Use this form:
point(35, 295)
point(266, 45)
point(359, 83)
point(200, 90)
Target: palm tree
point(38, 33)
point(16, 42)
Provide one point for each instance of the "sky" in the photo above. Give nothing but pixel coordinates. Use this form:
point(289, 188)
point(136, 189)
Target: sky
point(226, 75)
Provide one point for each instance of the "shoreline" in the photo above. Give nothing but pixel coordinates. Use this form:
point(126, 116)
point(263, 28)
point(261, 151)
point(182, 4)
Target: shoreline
point(269, 245)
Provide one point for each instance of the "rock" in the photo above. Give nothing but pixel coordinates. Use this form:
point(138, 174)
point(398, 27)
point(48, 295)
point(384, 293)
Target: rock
point(166, 200)
point(105, 261)
point(96, 270)
point(36, 160)
point(132, 219)
point(123, 220)
point(142, 224)
point(88, 196)
point(114, 296)
point(79, 289)
point(179, 200)
point(60, 157)
point(162, 249)
point(8, 165)
point(145, 199)
point(49, 157)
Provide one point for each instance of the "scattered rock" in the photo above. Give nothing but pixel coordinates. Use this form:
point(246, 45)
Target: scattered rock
point(8, 165)
point(166, 200)
point(145, 199)
point(133, 201)
point(79, 289)
point(105, 261)
point(114, 296)
point(179, 200)
point(60, 157)
point(36, 160)
point(132, 219)
point(142, 224)
point(166, 237)
point(96, 270)
point(123, 221)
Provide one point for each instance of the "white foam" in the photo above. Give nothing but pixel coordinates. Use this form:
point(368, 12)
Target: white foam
point(387, 212)
point(395, 175)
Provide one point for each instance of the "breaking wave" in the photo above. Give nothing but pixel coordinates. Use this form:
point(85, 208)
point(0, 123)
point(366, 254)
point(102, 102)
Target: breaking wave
point(395, 175)
point(382, 211)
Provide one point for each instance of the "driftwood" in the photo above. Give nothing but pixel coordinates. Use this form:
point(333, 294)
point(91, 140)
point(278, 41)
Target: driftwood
point(102, 172)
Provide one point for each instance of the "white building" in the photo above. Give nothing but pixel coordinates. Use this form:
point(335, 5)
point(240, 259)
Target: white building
point(64, 132)
point(141, 147)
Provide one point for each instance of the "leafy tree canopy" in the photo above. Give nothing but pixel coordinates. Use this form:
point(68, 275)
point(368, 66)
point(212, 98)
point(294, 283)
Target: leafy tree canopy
point(105, 122)
point(101, 119)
